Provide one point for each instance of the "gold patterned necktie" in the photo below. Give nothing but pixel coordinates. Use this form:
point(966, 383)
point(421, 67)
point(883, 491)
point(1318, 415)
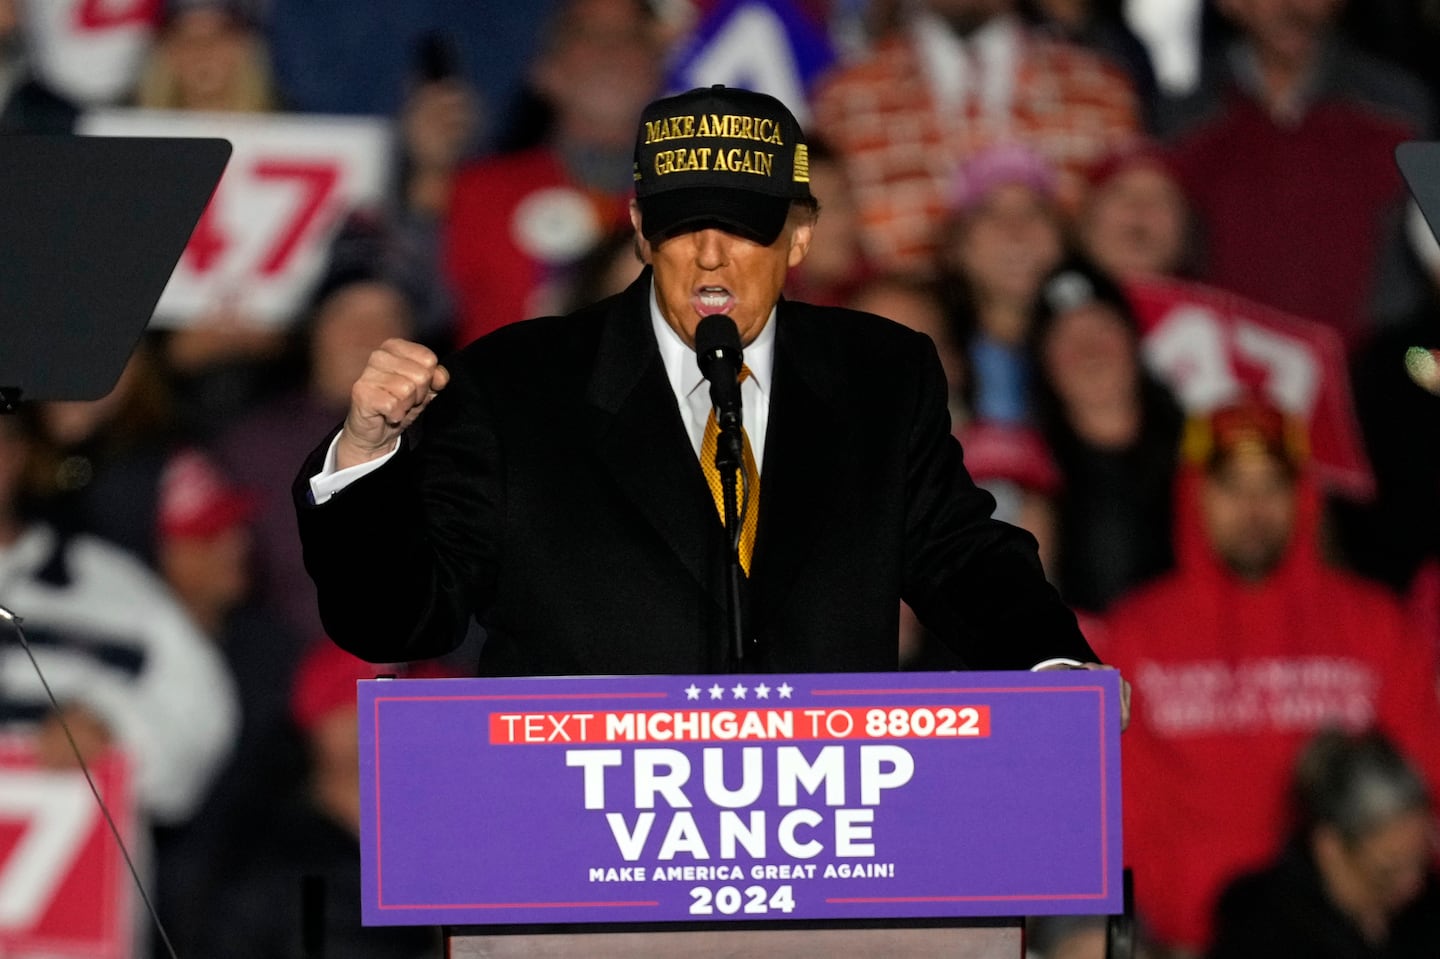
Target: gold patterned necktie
point(712, 475)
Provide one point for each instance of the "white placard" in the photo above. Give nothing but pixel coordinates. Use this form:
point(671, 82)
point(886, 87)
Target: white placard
point(90, 50)
point(264, 240)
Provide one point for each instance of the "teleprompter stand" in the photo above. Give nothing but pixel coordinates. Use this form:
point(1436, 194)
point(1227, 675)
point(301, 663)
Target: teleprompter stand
point(92, 230)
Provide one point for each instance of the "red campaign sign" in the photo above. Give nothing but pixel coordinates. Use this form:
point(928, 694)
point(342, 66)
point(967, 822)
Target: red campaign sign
point(1211, 346)
point(64, 889)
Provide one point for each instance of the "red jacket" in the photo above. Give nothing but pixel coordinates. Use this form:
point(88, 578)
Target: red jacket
point(1230, 679)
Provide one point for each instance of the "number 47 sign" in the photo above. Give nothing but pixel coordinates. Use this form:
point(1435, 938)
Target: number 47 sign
point(262, 242)
point(64, 891)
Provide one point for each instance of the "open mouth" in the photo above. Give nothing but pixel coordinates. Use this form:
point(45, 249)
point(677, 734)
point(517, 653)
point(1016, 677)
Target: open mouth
point(710, 300)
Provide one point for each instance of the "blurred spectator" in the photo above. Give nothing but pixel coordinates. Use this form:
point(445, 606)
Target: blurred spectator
point(356, 308)
point(518, 222)
point(1289, 57)
point(1357, 880)
point(27, 105)
point(310, 859)
point(1251, 646)
point(1114, 431)
point(1135, 222)
point(1099, 26)
point(126, 664)
point(917, 304)
point(439, 126)
point(1002, 237)
point(958, 76)
point(209, 56)
point(836, 266)
point(205, 547)
point(99, 469)
point(1291, 173)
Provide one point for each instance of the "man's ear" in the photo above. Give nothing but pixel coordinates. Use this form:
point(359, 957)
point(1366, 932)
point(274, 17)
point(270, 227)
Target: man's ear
point(800, 236)
point(642, 245)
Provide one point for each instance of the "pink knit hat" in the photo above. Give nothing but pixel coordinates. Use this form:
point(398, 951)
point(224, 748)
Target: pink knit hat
point(1001, 165)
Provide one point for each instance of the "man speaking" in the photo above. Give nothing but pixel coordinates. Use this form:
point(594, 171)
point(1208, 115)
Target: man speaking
point(560, 485)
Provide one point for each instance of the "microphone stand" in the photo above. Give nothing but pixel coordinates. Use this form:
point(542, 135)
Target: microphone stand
point(728, 457)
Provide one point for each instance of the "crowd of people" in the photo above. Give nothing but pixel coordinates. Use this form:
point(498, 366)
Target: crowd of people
point(1022, 180)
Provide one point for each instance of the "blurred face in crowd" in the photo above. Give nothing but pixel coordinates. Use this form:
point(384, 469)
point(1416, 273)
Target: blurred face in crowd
point(206, 48)
point(1288, 31)
point(208, 573)
point(1381, 872)
point(710, 271)
point(1006, 244)
point(1248, 507)
point(601, 68)
point(352, 322)
point(1135, 224)
point(1089, 357)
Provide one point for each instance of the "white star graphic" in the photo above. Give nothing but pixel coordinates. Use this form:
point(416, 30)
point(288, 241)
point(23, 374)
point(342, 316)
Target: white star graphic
point(692, 691)
point(716, 691)
point(784, 689)
point(762, 691)
point(738, 691)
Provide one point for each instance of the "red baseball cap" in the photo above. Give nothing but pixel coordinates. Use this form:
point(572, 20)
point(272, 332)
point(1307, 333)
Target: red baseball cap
point(197, 500)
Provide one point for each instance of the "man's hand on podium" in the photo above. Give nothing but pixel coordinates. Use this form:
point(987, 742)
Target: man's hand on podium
point(398, 382)
point(1124, 686)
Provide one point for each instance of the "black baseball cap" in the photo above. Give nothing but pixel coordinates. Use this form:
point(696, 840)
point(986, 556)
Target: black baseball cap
point(719, 156)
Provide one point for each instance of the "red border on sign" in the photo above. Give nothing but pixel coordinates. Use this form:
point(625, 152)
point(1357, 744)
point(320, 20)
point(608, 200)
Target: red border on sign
point(379, 844)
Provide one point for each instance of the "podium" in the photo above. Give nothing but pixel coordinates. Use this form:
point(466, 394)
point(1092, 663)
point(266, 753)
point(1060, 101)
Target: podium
point(806, 815)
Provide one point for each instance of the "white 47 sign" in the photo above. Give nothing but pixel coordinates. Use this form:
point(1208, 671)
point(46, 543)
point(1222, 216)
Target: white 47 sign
point(262, 242)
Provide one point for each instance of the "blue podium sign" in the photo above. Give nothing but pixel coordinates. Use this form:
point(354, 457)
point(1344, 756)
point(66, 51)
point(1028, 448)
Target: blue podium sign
point(709, 798)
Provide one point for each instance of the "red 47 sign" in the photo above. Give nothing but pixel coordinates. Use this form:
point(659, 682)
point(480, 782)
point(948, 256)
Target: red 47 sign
point(64, 889)
point(1210, 347)
point(263, 240)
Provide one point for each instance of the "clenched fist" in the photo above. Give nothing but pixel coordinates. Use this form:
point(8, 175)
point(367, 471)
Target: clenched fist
point(399, 381)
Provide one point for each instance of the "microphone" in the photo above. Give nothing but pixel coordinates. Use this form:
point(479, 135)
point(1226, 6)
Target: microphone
point(717, 348)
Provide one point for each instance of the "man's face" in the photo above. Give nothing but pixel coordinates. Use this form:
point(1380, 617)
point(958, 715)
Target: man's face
point(1288, 29)
point(709, 271)
point(1248, 507)
point(1007, 244)
point(1135, 224)
point(605, 66)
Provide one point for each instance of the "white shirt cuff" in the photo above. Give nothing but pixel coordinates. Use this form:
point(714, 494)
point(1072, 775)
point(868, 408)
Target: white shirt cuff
point(1058, 663)
point(330, 481)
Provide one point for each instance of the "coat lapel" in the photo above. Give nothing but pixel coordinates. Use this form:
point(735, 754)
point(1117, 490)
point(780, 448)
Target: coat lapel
point(805, 448)
point(636, 432)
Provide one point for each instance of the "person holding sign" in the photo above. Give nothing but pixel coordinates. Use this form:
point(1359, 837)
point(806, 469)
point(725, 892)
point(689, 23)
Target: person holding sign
point(550, 478)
